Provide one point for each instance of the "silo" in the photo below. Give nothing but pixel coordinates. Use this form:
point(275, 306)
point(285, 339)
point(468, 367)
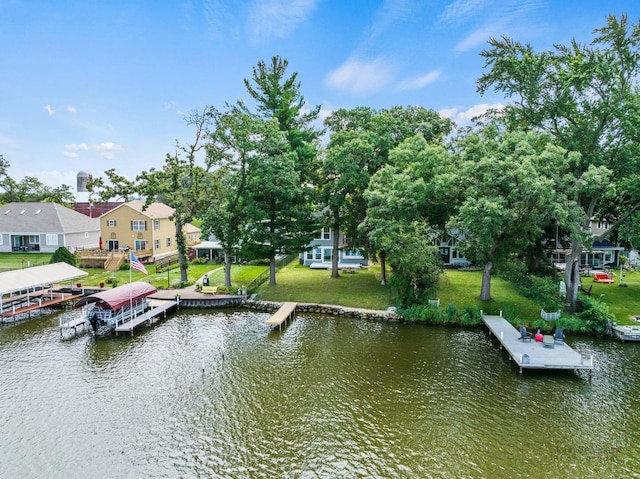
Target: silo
point(83, 178)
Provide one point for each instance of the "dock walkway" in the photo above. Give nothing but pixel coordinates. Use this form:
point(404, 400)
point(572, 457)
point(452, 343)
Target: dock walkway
point(159, 307)
point(533, 354)
point(286, 311)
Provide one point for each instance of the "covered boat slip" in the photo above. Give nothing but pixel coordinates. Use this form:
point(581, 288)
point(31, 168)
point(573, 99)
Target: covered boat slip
point(532, 354)
point(25, 290)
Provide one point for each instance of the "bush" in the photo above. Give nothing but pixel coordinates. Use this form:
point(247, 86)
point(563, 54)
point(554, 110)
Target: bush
point(594, 315)
point(63, 255)
point(199, 260)
point(222, 289)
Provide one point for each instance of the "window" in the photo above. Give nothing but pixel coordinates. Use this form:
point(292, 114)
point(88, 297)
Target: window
point(35, 239)
point(0, 238)
point(52, 240)
point(140, 245)
point(353, 253)
point(156, 224)
point(111, 223)
point(138, 225)
point(86, 235)
point(324, 234)
point(315, 254)
point(169, 242)
point(157, 244)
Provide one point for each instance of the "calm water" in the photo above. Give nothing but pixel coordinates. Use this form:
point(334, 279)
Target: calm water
point(327, 397)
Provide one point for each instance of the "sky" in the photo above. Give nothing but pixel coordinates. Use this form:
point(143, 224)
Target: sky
point(90, 85)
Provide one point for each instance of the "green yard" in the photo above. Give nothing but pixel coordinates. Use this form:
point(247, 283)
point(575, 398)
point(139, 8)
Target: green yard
point(360, 289)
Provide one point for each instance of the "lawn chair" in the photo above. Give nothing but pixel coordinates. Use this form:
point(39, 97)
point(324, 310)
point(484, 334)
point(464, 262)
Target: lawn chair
point(524, 334)
point(558, 336)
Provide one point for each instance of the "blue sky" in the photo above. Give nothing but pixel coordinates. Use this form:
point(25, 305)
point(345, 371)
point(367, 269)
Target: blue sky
point(92, 85)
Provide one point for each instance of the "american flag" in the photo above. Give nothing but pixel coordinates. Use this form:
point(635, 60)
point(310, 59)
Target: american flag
point(136, 264)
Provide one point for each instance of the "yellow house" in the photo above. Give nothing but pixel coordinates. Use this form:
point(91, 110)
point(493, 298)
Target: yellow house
point(150, 232)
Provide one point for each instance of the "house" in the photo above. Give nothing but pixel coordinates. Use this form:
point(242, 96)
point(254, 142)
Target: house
point(151, 231)
point(450, 254)
point(321, 249)
point(44, 227)
point(602, 252)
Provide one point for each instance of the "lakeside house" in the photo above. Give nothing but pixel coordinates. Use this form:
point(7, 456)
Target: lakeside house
point(151, 231)
point(44, 227)
point(320, 251)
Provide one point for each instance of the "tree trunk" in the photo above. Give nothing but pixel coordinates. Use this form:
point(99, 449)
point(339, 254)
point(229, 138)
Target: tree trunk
point(572, 275)
point(383, 268)
point(485, 289)
point(272, 270)
point(227, 269)
point(335, 253)
point(182, 250)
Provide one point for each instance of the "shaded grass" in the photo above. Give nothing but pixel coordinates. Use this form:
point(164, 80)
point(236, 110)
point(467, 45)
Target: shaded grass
point(299, 283)
point(462, 288)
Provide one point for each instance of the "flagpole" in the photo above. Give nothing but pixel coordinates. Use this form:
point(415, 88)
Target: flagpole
point(130, 286)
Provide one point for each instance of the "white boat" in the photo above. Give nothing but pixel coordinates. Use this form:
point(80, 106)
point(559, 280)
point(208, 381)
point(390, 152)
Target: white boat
point(113, 307)
point(627, 333)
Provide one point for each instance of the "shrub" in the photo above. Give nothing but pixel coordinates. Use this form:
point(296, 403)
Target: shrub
point(63, 255)
point(222, 289)
point(199, 260)
point(594, 314)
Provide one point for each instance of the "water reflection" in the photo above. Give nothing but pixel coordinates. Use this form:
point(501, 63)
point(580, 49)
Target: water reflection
point(216, 394)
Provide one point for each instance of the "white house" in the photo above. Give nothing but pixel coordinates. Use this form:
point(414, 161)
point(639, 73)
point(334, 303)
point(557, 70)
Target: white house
point(44, 227)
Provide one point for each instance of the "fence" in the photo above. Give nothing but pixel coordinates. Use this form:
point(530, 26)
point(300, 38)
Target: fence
point(262, 277)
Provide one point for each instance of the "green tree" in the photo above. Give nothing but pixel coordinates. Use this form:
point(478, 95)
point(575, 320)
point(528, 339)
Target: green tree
point(586, 96)
point(231, 143)
point(278, 96)
point(405, 193)
point(366, 137)
point(509, 195)
point(63, 255)
point(30, 189)
point(279, 220)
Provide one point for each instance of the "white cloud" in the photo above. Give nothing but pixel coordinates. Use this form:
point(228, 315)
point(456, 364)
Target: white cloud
point(460, 10)
point(359, 77)
point(49, 110)
point(71, 109)
point(76, 147)
point(416, 83)
point(465, 117)
point(105, 150)
point(276, 18)
point(480, 36)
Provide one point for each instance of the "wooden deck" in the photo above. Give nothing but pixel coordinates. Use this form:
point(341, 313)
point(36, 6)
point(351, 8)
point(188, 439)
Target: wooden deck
point(159, 307)
point(532, 354)
point(36, 302)
point(286, 311)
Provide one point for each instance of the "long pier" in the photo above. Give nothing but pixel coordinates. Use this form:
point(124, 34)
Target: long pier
point(533, 354)
point(159, 307)
point(286, 311)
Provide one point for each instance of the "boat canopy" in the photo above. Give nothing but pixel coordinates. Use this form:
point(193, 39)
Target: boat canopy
point(117, 297)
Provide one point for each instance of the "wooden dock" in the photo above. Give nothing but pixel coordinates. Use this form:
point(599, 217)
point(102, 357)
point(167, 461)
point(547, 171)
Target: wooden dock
point(159, 307)
point(286, 311)
point(533, 354)
point(25, 305)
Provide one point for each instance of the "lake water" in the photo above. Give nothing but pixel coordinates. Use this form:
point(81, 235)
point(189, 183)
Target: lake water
point(326, 398)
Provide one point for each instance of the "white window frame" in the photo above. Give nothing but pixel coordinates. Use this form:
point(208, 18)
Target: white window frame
point(51, 239)
point(353, 253)
point(168, 241)
point(156, 225)
point(111, 223)
point(157, 244)
point(138, 225)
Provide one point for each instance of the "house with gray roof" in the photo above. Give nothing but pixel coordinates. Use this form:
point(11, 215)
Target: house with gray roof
point(44, 227)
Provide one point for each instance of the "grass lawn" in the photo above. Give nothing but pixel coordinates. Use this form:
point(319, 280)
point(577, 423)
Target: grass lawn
point(302, 284)
point(361, 289)
point(623, 302)
point(463, 289)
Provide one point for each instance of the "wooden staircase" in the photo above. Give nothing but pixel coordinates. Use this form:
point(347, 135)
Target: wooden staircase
point(114, 261)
